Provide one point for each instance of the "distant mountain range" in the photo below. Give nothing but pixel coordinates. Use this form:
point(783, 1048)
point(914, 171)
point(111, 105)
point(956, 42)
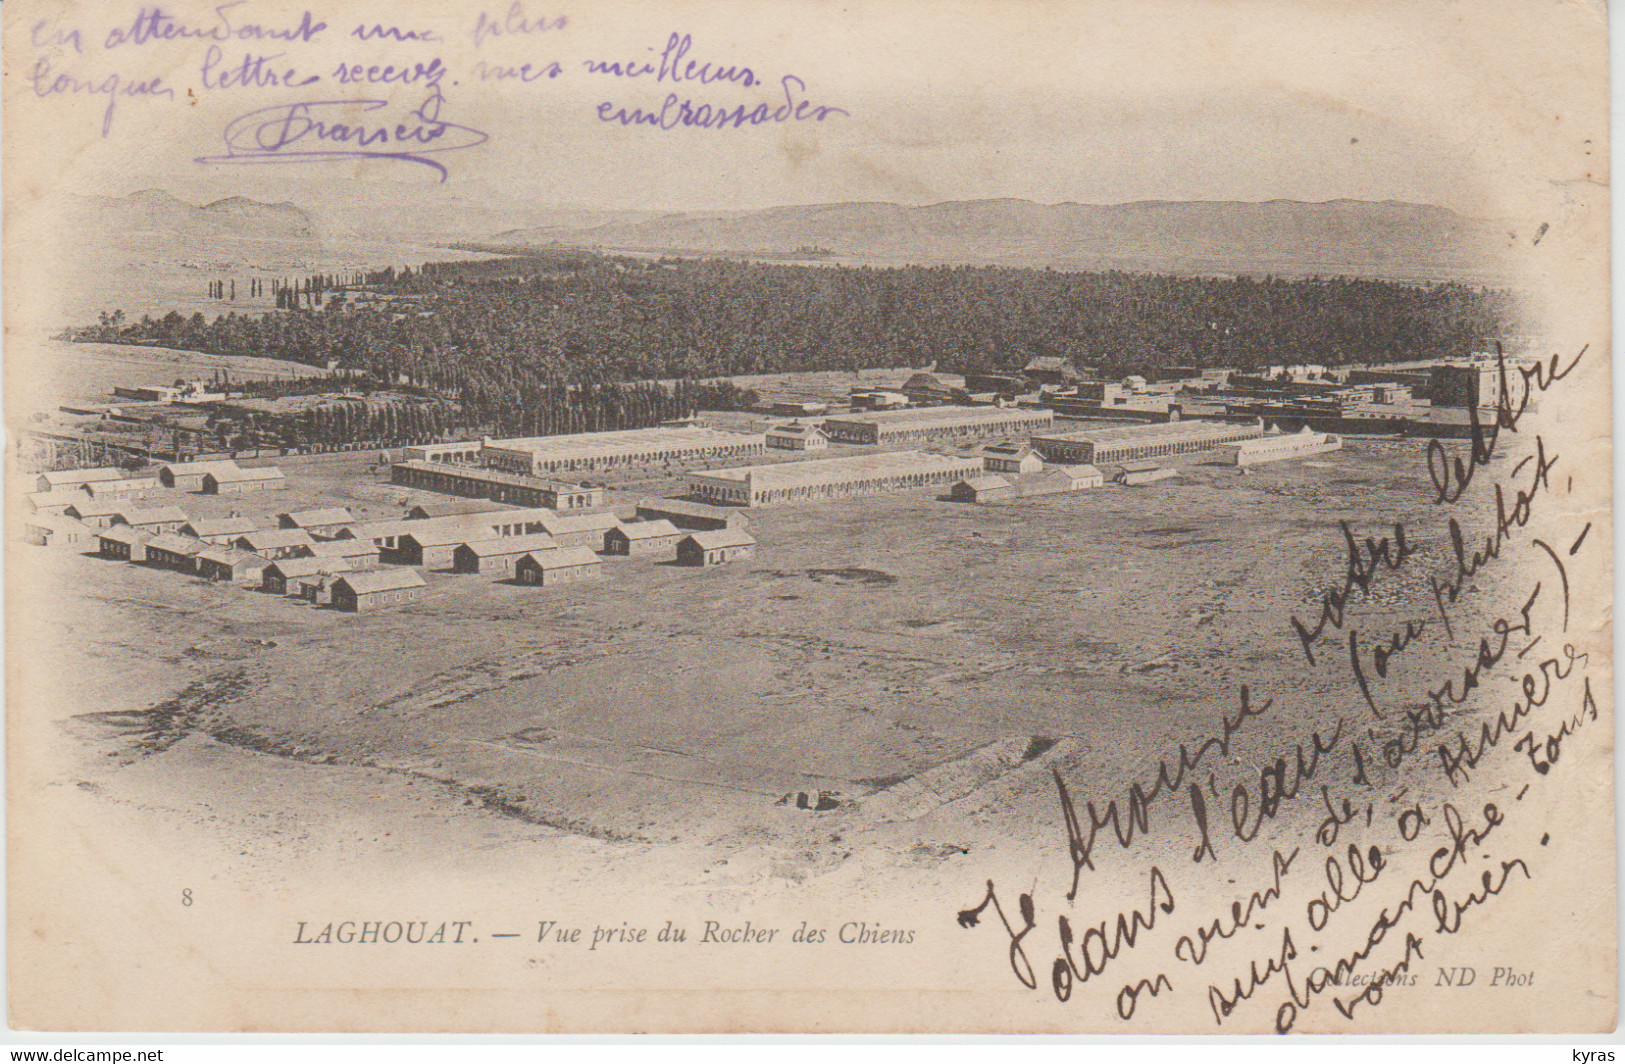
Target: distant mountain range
point(1391, 239)
point(1285, 237)
point(155, 210)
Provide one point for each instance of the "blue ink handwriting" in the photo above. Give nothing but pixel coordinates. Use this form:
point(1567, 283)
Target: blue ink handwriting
point(673, 68)
point(378, 31)
point(251, 73)
point(43, 35)
point(524, 73)
point(113, 86)
point(430, 73)
point(514, 24)
point(327, 130)
point(153, 24)
point(677, 113)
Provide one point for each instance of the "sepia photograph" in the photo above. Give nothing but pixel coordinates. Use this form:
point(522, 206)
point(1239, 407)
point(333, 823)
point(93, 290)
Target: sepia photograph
point(786, 517)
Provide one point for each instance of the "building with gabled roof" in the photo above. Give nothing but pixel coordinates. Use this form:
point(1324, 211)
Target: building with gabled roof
point(385, 535)
point(642, 538)
point(59, 479)
point(236, 481)
point(55, 502)
point(988, 487)
point(1010, 457)
point(97, 513)
point(499, 556)
point(363, 554)
point(171, 550)
point(698, 516)
point(566, 565)
point(278, 577)
point(1080, 476)
point(122, 488)
point(275, 543)
point(221, 530)
point(361, 592)
point(324, 522)
point(797, 436)
point(229, 563)
point(1143, 471)
point(60, 530)
point(152, 519)
point(715, 548)
point(433, 544)
point(579, 530)
point(123, 542)
point(188, 476)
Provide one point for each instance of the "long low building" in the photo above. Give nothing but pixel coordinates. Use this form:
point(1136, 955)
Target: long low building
point(171, 550)
point(188, 476)
point(359, 553)
point(58, 479)
point(698, 516)
point(274, 543)
point(54, 502)
point(323, 523)
point(280, 577)
point(240, 481)
point(498, 555)
point(1054, 480)
point(429, 511)
point(456, 451)
point(579, 530)
point(902, 426)
point(513, 488)
point(567, 565)
point(433, 544)
point(220, 530)
point(1124, 443)
point(1280, 447)
point(358, 592)
point(229, 563)
point(60, 530)
point(642, 537)
point(830, 478)
point(715, 548)
point(385, 535)
point(124, 542)
point(120, 489)
point(588, 450)
point(151, 519)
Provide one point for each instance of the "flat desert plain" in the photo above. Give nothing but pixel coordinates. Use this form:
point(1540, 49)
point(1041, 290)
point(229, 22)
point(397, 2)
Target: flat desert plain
point(917, 666)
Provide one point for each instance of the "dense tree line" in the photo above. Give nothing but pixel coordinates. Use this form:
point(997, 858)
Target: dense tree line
point(363, 411)
point(505, 334)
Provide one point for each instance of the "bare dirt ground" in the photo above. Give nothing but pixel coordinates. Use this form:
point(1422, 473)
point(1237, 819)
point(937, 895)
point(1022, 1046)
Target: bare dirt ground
point(862, 725)
point(868, 642)
point(44, 373)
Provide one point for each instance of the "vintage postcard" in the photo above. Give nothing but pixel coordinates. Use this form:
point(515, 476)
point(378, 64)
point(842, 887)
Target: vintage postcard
point(707, 516)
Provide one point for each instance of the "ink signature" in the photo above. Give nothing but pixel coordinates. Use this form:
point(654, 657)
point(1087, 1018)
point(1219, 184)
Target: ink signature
point(326, 130)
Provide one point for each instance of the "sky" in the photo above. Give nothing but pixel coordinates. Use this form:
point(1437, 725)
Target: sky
point(1491, 108)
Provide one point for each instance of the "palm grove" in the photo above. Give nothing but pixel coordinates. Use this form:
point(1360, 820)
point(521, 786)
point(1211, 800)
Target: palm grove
point(549, 343)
